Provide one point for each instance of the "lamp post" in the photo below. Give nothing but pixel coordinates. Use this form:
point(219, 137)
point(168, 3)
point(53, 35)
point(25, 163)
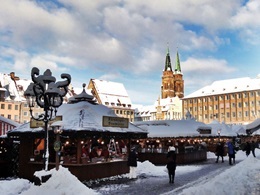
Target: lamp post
point(57, 144)
point(48, 94)
point(219, 135)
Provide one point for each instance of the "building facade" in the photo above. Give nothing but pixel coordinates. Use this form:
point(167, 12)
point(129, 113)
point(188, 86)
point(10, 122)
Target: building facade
point(233, 101)
point(112, 95)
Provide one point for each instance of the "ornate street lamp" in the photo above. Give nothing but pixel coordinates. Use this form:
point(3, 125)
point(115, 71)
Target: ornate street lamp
point(48, 94)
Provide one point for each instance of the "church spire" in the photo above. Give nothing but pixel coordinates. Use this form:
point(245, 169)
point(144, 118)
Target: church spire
point(168, 65)
point(177, 65)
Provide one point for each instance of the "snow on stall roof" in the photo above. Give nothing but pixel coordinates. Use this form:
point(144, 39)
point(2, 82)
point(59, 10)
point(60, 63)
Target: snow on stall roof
point(172, 128)
point(254, 124)
point(227, 86)
point(84, 116)
point(225, 130)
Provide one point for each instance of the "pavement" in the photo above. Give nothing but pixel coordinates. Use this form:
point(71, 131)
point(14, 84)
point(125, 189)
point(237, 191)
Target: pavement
point(159, 185)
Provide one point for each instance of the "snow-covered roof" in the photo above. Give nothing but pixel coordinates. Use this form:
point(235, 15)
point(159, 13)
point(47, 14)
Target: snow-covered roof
point(84, 116)
point(9, 121)
point(111, 92)
point(227, 86)
point(172, 128)
point(225, 130)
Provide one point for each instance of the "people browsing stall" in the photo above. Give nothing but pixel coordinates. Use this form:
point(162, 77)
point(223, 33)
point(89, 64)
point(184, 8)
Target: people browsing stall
point(231, 152)
point(132, 163)
point(220, 151)
point(171, 163)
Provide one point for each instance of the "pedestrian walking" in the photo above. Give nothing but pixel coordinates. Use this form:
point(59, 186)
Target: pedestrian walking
point(231, 152)
point(248, 148)
point(132, 163)
point(253, 146)
point(220, 151)
point(171, 163)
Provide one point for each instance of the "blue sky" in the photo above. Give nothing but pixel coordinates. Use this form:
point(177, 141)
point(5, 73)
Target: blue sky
point(126, 41)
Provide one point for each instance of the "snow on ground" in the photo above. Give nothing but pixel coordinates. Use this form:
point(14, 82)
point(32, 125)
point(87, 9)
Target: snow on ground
point(242, 178)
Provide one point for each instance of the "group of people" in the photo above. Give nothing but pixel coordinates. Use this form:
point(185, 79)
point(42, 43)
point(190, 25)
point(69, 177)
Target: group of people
point(220, 150)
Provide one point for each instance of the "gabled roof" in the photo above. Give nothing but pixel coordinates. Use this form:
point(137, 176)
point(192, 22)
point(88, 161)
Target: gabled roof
point(111, 92)
point(227, 86)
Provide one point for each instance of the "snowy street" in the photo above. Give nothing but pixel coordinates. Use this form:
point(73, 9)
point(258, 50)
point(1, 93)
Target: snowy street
point(189, 177)
point(242, 178)
point(154, 185)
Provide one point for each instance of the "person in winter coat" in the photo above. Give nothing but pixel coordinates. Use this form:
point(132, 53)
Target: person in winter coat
point(248, 148)
point(132, 163)
point(253, 146)
point(231, 152)
point(220, 151)
point(171, 164)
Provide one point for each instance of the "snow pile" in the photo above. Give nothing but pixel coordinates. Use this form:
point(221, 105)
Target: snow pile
point(240, 178)
point(15, 186)
point(62, 182)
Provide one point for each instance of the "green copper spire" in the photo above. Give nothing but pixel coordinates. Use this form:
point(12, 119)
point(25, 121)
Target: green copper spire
point(177, 65)
point(168, 65)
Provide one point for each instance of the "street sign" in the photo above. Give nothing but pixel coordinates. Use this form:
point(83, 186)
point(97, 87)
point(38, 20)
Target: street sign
point(109, 121)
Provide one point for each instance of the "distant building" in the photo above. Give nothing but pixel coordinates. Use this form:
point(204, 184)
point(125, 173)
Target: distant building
point(233, 101)
point(112, 95)
point(169, 105)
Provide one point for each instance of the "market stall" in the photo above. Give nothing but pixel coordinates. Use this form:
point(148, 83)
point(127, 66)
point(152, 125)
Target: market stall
point(86, 125)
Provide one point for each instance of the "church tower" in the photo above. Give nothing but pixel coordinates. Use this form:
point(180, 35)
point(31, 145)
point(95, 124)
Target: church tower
point(172, 81)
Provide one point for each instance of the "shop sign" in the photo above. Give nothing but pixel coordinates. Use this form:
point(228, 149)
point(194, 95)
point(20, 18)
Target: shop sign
point(57, 145)
point(205, 131)
point(109, 121)
point(35, 124)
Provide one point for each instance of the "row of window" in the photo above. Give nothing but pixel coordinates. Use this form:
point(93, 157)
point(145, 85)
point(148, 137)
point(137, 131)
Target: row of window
point(9, 106)
point(226, 97)
point(124, 112)
point(227, 105)
point(227, 115)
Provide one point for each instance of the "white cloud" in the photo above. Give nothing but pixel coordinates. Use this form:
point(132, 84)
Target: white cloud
point(209, 65)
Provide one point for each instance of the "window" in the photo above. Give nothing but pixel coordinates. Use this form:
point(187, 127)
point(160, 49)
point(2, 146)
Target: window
point(25, 105)
point(245, 104)
point(9, 116)
point(216, 98)
point(2, 106)
point(238, 96)
point(233, 105)
point(246, 113)
point(205, 107)
point(245, 95)
point(227, 97)
point(228, 114)
point(233, 114)
point(239, 104)
point(16, 117)
point(216, 107)
point(205, 116)
point(190, 101)
point(25, 113)
point(16, 107)
point(9, 106)
point(251, 94)
point(239, 114)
